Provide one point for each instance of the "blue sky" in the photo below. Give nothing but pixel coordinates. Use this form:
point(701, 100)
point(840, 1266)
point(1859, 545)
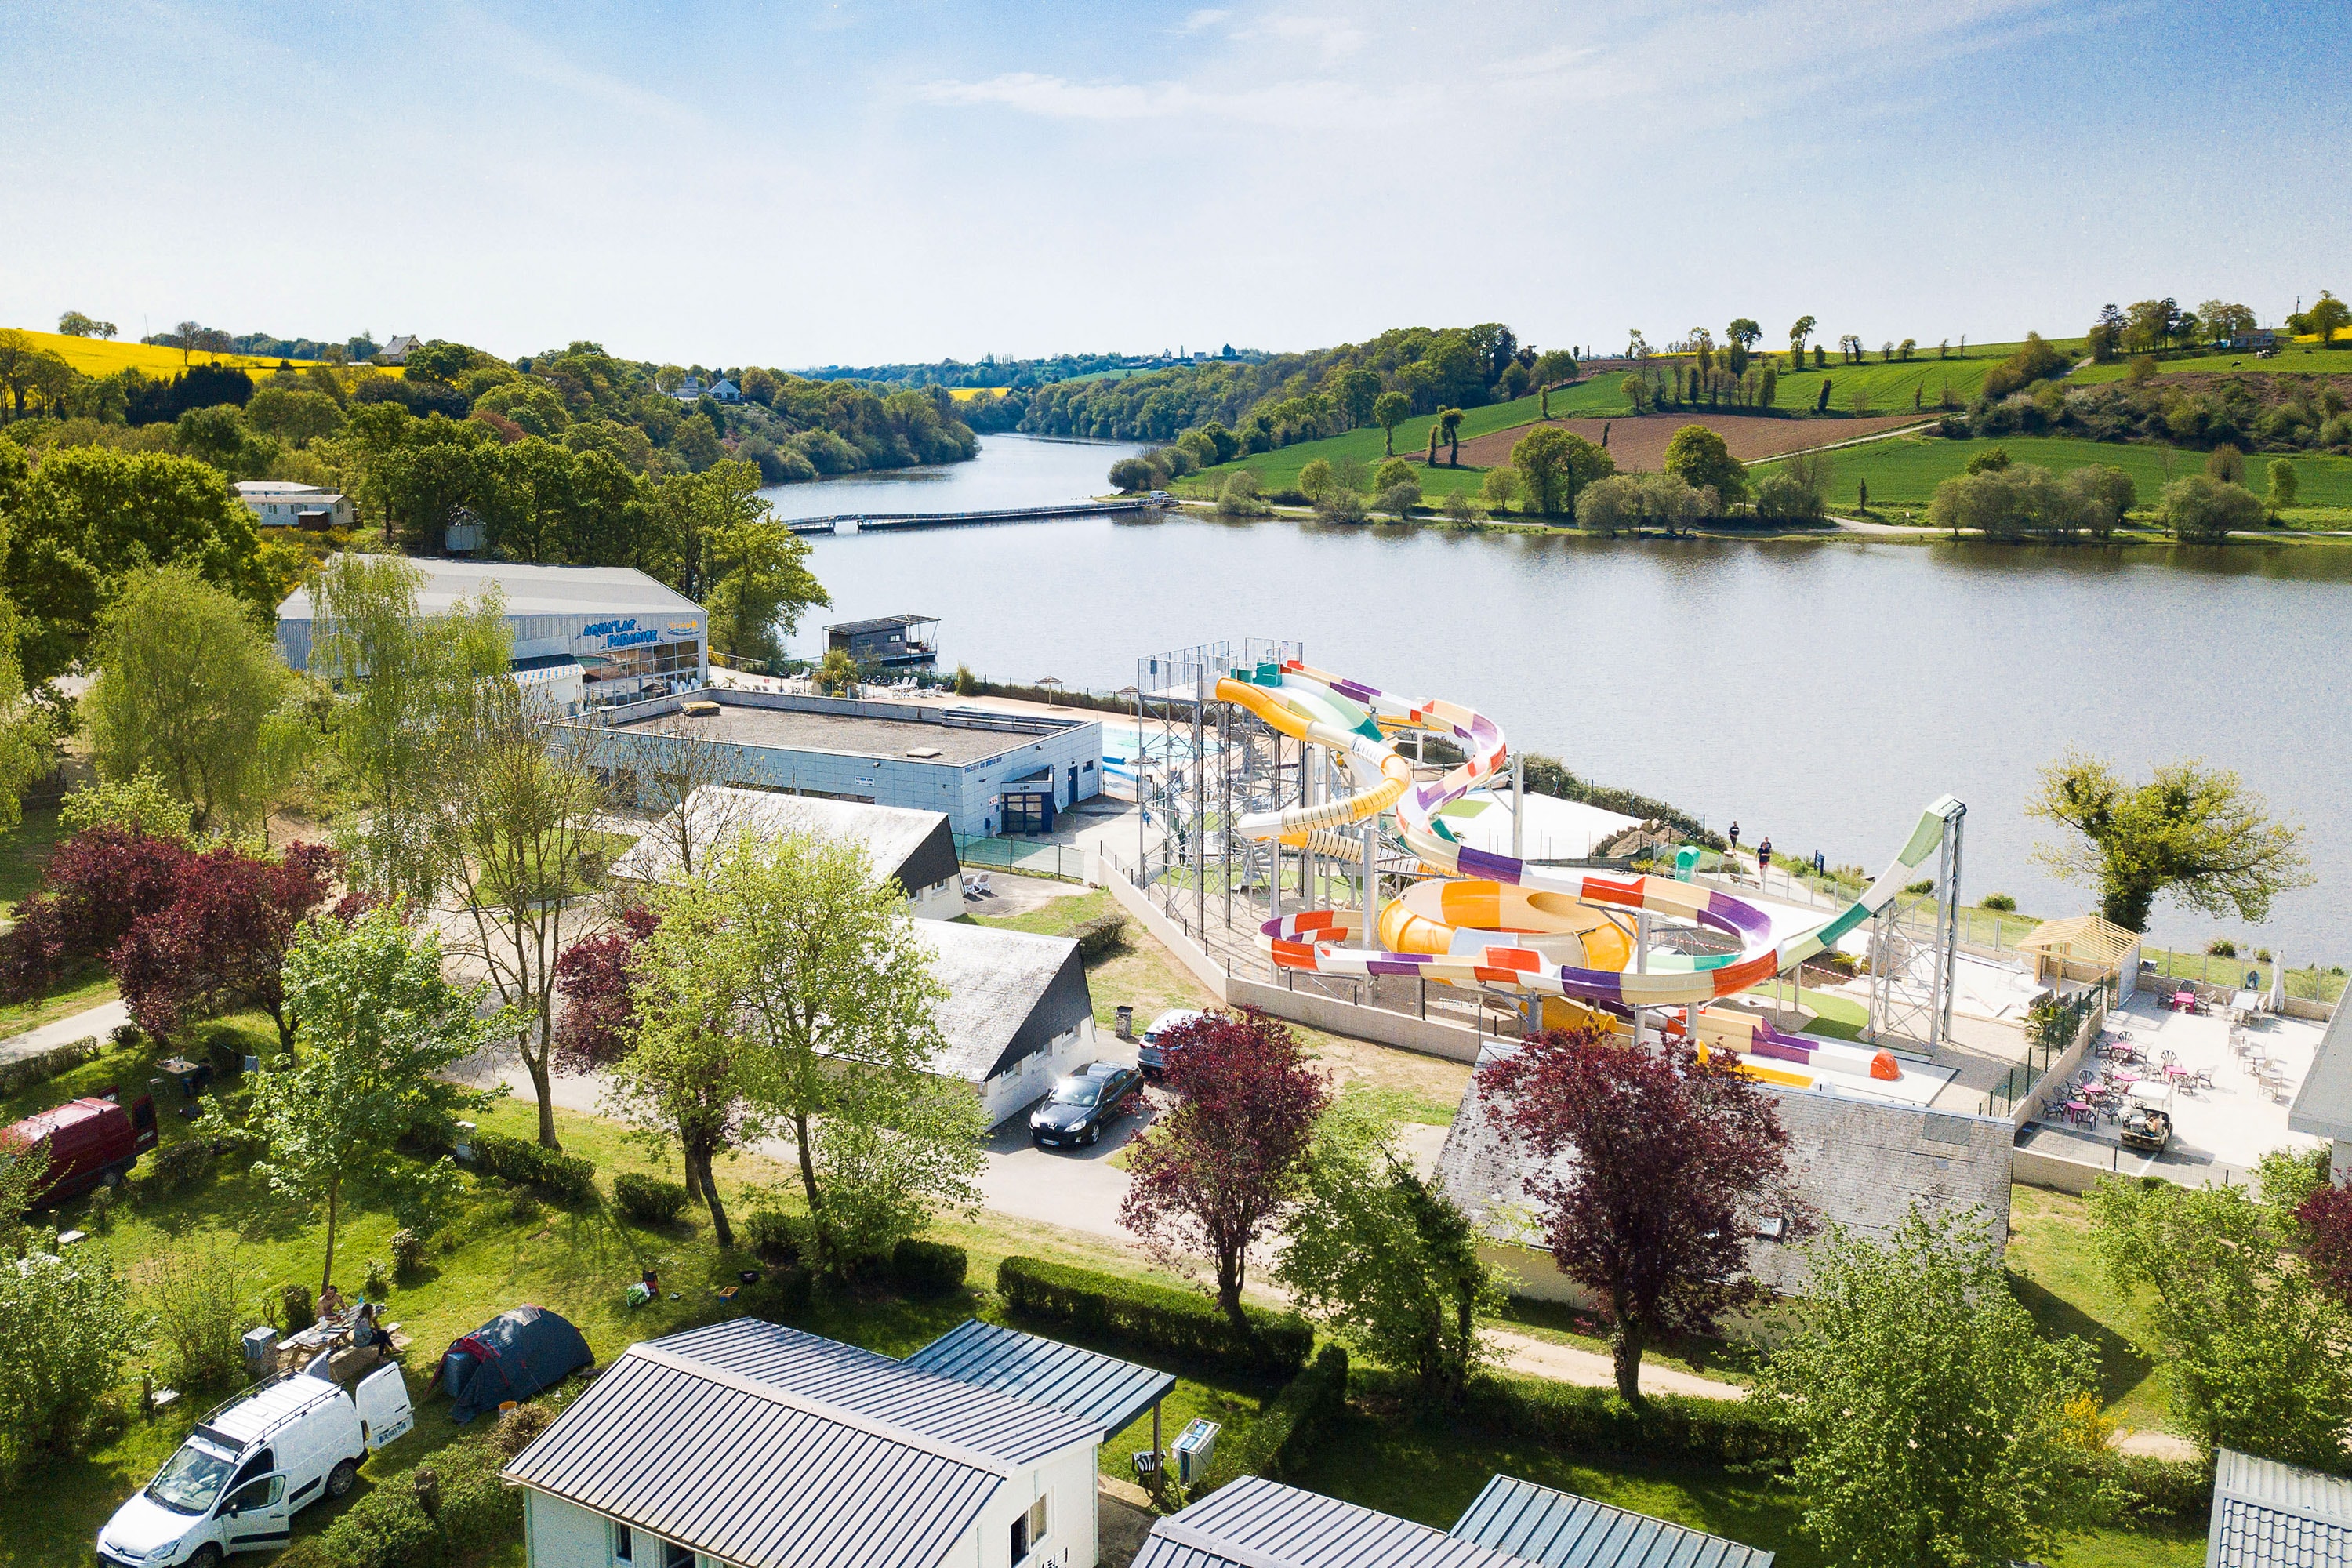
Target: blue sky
point(796, 185)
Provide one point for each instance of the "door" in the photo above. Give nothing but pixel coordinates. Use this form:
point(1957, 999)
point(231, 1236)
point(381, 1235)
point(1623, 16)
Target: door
point(256, 1516)
point(384, 1413)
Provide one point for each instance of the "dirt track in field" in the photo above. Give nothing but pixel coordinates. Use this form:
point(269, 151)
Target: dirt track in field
point(1638, 441)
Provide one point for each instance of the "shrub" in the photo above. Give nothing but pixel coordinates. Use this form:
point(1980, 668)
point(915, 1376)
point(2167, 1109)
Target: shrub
point(1132, 474)
point(99, 1212)
point(1291, 1427)
point(522, 1162)
point(176, 1167)
point(649, 1200)
point(926, 1268)
point(397, 1527)
point(2200, 507)
point(780, 1292)
point(377, 1283)
point(26, 1071)
point(1781, 498)
point(775, 1237)
point(2221, 947)
point(66, 1328)
point(1153, 1316)
point(295, 1301)
point(518, 1427)
point(199, 1297)
point(407, 1253)
point(1569, 1419)
point(1100, 937)
point(2000, 903)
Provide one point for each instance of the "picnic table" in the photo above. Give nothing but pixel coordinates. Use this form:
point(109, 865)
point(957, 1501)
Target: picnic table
point(2245, 1004)
point(193, 1075)
point(2184, 1000)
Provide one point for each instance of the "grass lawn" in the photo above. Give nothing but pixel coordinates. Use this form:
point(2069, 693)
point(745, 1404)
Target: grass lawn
point(2300, 359)
point(89, 989)
point(24, 855)
point(1431, 1472)
point(1903, 471)
point(2054, 1274)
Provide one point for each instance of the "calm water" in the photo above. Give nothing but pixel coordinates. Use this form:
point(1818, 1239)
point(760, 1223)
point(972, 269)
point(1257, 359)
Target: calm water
point(1820, 692)
point(1012, 470)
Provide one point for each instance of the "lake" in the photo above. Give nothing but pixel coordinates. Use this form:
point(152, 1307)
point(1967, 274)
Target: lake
point(1819, 691)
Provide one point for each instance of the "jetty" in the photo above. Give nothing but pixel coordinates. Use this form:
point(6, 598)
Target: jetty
point(862, 523)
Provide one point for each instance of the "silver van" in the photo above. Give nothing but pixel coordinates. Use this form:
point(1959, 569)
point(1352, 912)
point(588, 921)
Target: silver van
point(246, 1469)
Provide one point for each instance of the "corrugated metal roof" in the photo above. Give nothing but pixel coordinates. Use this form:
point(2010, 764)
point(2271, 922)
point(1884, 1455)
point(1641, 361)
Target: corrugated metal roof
point(1561, 1529)
point(2269, 1515)
point(1104, 1390)
point(916, 847)
point(774, 1448)
point(1256, 1523)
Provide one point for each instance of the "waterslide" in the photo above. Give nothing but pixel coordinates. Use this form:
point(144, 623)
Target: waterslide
point(1505, 924)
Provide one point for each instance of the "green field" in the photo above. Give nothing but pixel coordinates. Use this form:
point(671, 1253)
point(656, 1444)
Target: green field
point(2305, 360)
point(1903, 471)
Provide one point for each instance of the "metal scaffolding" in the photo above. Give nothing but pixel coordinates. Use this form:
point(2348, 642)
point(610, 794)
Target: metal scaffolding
point(1914, 948)
point(1200, 764)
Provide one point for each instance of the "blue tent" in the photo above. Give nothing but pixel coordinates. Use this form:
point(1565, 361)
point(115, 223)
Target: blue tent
point(513, 1356)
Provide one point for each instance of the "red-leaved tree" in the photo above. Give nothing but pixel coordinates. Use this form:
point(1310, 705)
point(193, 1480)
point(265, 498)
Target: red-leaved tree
point(98, 884)
point(1214, 1177)
point(1657, 1168)
point(223, 937)
point(594, 1029)
point(2325, 1218)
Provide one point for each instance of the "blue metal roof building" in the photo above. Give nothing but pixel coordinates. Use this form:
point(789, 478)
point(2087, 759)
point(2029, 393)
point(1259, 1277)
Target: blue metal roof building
point(1256, 1523)
point(1102, 1390)
point(2269, 1515)
point(1559, 1530)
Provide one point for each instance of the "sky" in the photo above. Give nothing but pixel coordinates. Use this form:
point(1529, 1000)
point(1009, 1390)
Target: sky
point(798, 184)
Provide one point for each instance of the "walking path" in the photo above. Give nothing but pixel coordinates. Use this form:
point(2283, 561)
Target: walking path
point(100, 1021)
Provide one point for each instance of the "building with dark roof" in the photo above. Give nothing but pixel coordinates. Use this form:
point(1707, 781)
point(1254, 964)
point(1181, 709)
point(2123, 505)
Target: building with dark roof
point(2269, 1515)
point(756, 1445)
point(1854, 1161)
point(914, 848)
point(1018, 1013)
point(1098, 1388)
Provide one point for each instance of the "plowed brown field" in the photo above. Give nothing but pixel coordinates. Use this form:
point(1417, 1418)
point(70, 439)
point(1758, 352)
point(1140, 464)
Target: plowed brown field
point(1638, 441)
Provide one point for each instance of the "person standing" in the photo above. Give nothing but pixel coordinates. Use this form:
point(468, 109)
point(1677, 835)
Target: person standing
point(1763, 857)
point(1734, 836)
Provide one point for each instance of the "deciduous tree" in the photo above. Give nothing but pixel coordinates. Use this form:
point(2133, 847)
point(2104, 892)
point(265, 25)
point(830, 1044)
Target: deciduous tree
point(2202, 508)
point(1701, 457)
point(1933, 1412)
point(2282, 484)
point(377, 1021)
point(1391, 410)
point(2194, 832)
point(1554, 465)
point(2256, 1354)
point(1382, 1258)
point(1660, 1166)
point(1217, 1174)
point(223, 938)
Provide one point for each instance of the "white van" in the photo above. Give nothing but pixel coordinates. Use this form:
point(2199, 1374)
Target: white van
point(236, 1484)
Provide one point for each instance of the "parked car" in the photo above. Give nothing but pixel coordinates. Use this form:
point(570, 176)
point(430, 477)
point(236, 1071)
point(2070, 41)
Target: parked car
point(1086, 1102)
point(89, 1140)
point(1151, 1054)
point(2148, 1117)
point(253, 1463)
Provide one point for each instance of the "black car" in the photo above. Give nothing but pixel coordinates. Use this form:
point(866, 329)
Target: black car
point(1086, 1102)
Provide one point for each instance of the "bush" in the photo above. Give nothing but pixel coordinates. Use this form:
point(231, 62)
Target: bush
point(390, 1527)
point(1572, 1419)
point(1291, 1426)
point(775, 1237)
point(517, 1428)
point(649, 1200)
point(377, 1282)
point(522, 1162)
point(407, 1253)
point(66, 1328)
point(2221, 947)
point(300, 1312)
point(778, 1292)
point(26, 1071)
point(2200, 507)
point(2000, 903)
point(176, 1167)
point(926, 1268)
point(199, 1298)
point(1154, 1317)
point(99, 1212)
point(1100, 937)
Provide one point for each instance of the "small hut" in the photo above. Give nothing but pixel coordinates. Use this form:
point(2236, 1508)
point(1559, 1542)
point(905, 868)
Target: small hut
point(2084, 948)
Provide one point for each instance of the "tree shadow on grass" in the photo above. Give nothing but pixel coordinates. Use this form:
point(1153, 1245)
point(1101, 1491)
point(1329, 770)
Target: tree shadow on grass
point(2122, 1366)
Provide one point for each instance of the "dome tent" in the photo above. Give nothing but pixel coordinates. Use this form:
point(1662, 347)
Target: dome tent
point(513, 1356)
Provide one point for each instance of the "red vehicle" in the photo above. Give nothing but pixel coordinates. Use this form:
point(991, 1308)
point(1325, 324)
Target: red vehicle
point(89, 1140)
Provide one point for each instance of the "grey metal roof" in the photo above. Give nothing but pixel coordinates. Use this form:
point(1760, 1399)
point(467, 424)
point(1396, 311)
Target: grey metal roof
point(2323, 1106)
point(2269, 1515)
point(883, 622)
point(774, 1448)
point(1102, 1390)
point(1009, 994)
point(918, 848)
point(534, 591)
point(1256, 1523)
point(1561, 1529)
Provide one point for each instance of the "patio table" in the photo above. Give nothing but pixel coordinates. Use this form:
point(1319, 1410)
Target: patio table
point(2126, 1077)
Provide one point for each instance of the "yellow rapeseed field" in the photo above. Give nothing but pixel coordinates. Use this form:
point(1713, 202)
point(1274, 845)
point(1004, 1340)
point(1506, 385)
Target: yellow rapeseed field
point(96, 356)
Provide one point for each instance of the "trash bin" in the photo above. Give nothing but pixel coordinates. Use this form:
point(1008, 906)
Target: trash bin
point(259, 1344)
point(1195, 1447)
point(1125, 1015)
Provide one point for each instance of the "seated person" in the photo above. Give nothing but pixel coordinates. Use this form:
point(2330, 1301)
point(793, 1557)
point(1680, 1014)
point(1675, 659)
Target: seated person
point(331, 1302)
point(364, 1331)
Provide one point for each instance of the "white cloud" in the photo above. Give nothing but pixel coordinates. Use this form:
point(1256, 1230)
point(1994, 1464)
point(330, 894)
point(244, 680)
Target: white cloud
point(1198, 20)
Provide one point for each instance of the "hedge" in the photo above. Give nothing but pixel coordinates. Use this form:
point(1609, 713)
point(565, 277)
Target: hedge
point(389, 1528)
point(1154, 1317)
point(1100, 937)
point(26, 1071)
point(776, 1236)
point(926, 1268)
point(1287, 1431)
point(649, 1200)
point(523, 1162)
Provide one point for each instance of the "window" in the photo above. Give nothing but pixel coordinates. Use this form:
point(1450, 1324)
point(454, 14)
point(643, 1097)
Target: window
point(1021, 1539)
point(1037, 1521)
point(622, 1545)
point(677, 1556)
point(1029, 1529)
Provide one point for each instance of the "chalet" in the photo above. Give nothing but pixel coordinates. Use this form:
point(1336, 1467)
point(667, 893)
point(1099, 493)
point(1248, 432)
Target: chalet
point(914, 848)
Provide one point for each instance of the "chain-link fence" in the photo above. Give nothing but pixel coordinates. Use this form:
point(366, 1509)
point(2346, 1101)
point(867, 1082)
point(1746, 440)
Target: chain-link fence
point(1028, 858)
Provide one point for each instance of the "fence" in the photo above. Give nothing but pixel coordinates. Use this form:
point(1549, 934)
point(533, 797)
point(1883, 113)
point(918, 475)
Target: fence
point(1029, 858)
point(2054, 1028)
point(2311, 983)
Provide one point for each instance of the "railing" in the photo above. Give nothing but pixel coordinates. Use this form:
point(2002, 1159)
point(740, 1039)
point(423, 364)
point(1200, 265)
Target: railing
point(2053, 1026)
point(1028, 858)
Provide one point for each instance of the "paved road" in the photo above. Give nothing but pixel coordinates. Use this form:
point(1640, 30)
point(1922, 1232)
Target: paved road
point(100, 1020)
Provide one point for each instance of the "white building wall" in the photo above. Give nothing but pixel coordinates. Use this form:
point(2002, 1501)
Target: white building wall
point(942, 901)
point(1072, 1536)
point(565, 1535)
point(1010, 1093)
